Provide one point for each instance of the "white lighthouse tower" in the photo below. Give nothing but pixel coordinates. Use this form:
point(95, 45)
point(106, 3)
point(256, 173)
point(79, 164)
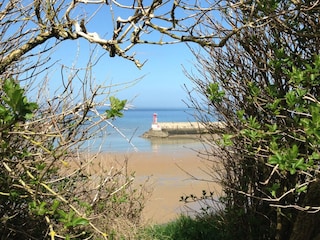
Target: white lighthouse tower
point(155, 126)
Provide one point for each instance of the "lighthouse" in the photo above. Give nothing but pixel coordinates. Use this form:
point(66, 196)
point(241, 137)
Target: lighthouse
point(155, 126)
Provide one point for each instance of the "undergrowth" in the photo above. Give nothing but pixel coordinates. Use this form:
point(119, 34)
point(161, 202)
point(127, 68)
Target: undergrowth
point(186, 228)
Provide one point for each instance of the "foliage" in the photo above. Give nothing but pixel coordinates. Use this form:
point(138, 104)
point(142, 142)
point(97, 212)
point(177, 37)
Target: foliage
point(18, 108)
point(15, 109)
point(185, 228)
point(44, 192)
point(116, 106)
point(264, 85)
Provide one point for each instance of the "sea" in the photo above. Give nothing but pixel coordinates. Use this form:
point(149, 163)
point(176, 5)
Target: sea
point(124, 134)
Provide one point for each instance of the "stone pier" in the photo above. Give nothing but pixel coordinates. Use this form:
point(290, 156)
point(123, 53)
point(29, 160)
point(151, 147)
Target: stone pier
point(183, 129)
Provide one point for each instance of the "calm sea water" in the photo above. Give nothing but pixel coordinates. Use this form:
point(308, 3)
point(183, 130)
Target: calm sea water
point(134, 123)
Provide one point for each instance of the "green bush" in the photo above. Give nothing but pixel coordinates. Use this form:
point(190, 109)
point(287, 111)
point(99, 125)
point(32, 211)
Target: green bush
point(47, 186)
point(264, 84)
point(186, 228)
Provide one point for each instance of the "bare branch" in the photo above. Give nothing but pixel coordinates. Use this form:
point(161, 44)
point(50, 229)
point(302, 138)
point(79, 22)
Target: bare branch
point(135, 23)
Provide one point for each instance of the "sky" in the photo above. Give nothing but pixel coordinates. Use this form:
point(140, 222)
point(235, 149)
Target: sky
point(160, 81)
point(162, 85)
point(163, 81)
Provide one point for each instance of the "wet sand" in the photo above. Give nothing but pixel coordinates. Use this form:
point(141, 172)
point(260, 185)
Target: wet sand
point(167, 175)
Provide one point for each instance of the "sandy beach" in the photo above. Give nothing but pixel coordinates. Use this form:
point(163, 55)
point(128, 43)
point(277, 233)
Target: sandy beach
point(168, 177)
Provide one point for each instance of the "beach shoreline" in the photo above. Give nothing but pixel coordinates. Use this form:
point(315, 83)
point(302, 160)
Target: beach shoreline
point(169, 176)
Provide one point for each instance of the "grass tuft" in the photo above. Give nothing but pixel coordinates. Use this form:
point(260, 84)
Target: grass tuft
point(185, 228)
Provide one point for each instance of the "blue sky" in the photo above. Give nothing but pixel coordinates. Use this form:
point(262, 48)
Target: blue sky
point(162, 78)
point(162, 84)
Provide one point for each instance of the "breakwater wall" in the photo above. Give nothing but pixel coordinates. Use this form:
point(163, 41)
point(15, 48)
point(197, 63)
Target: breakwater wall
point(183, 129)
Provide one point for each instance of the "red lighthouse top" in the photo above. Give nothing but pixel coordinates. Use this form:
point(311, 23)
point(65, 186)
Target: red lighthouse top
point(155, 126)
point(155, 118)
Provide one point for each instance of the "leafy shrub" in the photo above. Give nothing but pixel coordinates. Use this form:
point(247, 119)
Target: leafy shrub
point(264, 85)
point(48, 188)
point(185, 228)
